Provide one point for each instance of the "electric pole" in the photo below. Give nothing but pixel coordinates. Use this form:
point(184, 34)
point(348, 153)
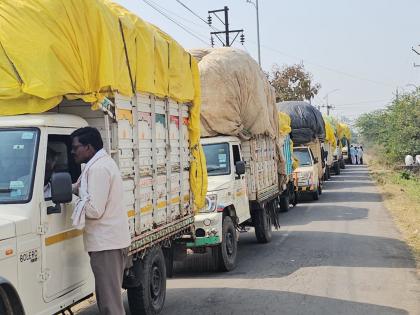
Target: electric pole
point(227, 42)
point(418, 53)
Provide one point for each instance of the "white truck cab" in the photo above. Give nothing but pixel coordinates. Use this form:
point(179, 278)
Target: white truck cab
point(242, 191)
point(41, 255)
point(307, 179)
point(227, 203)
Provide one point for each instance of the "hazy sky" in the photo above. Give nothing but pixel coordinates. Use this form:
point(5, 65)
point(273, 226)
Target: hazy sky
point(360, 47)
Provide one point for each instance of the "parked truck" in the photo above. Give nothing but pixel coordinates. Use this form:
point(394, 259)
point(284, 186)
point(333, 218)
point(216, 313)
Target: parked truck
point(332, 158)
point(241, 141)
point(308, 133)
point(147, 111)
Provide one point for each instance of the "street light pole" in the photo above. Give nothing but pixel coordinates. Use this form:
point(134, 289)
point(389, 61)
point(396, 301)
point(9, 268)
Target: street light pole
point(258, 28)
point(328, 105)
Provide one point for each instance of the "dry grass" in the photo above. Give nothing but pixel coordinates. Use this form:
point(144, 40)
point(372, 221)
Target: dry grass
point(402, 198)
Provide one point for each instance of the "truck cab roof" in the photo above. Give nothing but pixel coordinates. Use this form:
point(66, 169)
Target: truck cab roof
point(43, 120)
point(219, 139)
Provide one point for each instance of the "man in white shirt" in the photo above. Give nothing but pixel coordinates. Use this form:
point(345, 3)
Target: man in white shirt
point(106, 232)
point(353, 153)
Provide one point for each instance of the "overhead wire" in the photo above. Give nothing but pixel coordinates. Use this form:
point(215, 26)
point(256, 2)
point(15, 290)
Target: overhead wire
point(176, 22)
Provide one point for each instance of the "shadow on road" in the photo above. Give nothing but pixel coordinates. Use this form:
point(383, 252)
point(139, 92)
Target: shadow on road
point(337, 184)
point(288, 252)
point(250, 301)
point(299, 215)
point(353, 196)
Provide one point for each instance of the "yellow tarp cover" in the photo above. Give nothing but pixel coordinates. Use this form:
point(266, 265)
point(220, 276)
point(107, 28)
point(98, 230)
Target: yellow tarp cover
point(50, 49)
point(343, 130)
point(329, 133)
point(284, 124)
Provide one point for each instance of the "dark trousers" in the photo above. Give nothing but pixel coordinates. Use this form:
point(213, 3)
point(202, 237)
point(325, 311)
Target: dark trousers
point(108, 269)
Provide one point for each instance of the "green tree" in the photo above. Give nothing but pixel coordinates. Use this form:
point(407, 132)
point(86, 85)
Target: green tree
point(396, 129)
point(293, 83)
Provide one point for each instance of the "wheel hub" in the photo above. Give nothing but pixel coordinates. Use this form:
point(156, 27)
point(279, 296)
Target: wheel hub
point(229, 243)
point(156, 282)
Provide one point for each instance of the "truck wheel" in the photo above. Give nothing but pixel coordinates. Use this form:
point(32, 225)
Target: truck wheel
point(284, 203)
point(315, 195)
point(225, 253)
point(320, 188)
point(262, 225)
point(149, 297)
point(337, 169)
point(329, 173)
point(342, 164)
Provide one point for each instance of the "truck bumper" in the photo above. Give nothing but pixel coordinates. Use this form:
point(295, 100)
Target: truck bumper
point(208, 229)
point(304, 189)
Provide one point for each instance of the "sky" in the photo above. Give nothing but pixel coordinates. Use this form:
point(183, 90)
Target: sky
point(358, 50)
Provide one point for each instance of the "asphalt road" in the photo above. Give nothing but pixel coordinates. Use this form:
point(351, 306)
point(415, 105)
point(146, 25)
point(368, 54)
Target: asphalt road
point(339, 255)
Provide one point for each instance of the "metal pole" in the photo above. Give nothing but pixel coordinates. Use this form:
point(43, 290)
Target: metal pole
point(258, 35)
point(227, 26)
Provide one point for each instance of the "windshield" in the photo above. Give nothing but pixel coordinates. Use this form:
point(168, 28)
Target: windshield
point(303, 156)
point(217, 158)
point(17, 161)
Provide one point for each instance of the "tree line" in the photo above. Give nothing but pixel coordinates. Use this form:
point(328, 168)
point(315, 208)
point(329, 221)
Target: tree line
point(395, 130)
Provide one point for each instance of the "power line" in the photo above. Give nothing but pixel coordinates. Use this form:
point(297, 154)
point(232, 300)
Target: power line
point(363, 102)
point(198, 16)
point(177, 15)
point(353, 76)
point(195, 14)
point(175, 22)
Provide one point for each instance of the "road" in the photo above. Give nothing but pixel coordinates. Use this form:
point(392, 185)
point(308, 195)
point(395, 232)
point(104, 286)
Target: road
point(339, 255)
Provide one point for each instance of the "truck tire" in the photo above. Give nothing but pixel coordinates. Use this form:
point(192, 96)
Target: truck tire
point(342, 164)
point(284, 203)
point(149, 297)
point(315, 195)
point(225, 253)
point(329, 173)
point(6, 307)
point(262, 225)
point(337, 168)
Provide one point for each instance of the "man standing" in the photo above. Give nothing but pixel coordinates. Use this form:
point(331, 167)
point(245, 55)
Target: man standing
point(353, 154)
point(100, 211)
point(360, 155)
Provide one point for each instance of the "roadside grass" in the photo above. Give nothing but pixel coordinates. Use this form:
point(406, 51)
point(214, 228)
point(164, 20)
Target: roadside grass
point(401, 194)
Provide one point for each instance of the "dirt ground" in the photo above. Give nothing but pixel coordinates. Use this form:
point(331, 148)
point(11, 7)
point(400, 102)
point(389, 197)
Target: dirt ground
point(402, 198)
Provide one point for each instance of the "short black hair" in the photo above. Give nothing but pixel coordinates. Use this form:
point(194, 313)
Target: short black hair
point(89, 135)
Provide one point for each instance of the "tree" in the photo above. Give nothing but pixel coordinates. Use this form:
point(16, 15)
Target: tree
point(293, 83)
point(395, 129)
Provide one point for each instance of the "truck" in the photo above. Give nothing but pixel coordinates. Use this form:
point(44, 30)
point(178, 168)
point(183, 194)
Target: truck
point(152, 133)
point(306, 174)
point(308, 133)
point(240, 138)
point(332, 157)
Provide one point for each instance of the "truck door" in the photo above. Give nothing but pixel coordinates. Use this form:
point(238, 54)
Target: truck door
point(240, 188)
point(65, 262)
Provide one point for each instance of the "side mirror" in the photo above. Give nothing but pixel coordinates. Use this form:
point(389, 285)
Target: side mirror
point(315, 160)
point(61, 191)
point(240, 167)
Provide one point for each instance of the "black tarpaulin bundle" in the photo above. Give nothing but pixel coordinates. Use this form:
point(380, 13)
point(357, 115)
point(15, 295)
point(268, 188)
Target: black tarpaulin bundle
point(306, 121)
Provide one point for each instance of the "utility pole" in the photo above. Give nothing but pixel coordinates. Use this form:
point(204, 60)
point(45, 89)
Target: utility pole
point(227, 42)
point(328, 106)
point(418, 53)
point(258, 28)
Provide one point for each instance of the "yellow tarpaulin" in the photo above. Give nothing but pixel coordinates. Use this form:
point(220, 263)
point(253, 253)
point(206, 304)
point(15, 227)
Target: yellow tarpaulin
point(343, 130)
point(50, 49)
point(284, 124)
point(329, 133)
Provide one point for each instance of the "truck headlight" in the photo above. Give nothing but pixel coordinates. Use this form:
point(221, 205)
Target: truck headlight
point(211, 203)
